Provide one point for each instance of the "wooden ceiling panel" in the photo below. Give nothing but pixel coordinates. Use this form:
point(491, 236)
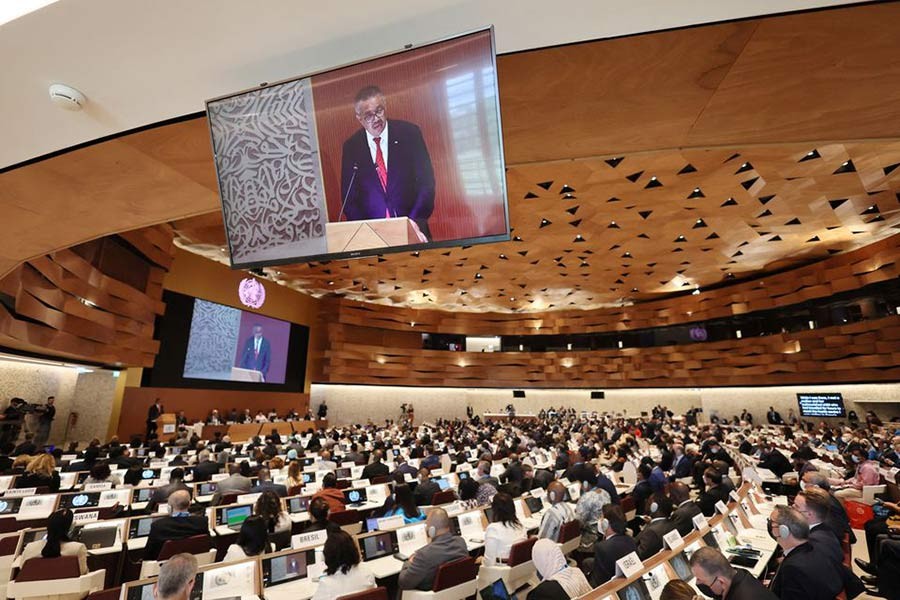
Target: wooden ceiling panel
point(646, 228)
point(808, 77)
point(571, 101)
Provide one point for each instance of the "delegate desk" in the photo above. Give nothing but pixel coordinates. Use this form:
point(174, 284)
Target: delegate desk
point(239, 432)
point(506, 417)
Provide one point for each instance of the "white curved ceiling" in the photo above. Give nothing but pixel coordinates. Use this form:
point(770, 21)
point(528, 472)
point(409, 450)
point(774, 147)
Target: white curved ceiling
point(141, 62)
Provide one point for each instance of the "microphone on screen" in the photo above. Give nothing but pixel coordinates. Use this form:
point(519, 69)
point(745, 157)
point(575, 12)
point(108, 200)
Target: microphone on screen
point(349, 187)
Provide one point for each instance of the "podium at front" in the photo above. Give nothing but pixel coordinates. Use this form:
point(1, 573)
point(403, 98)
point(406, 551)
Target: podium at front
point(350, 236)
point(165, 424)
point(238, 374)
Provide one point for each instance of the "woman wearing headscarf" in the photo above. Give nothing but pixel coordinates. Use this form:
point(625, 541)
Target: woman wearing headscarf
point(560, 581)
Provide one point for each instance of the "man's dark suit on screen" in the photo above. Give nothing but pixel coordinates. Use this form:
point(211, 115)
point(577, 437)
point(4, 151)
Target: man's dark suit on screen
point(410, 177)
point(250, 359)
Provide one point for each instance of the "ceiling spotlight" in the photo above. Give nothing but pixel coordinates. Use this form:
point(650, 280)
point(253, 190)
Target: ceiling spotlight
point(738, 334)
point(477, 275)
point(696, 292)
point(811, 153)
point(330, 283)
point(621, 344)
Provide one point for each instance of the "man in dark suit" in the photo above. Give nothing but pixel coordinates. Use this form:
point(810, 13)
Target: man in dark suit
point(265, 484)
point(805, 573)
point(615, 544)
point(179, 524)
point(205, 467)
point(815, 504)
point(713, 493)
point(772, 459)
point(685, 508)
point(376, 468)
point(650, 539)
point(774, 417)
point(682, 465)
point(716, 578)
point(152, 415)
point(426, 488)
point(418, 572)
point(257, 352)
point(385, 167)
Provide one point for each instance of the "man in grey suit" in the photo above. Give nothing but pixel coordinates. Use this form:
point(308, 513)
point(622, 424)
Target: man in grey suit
point(265, 484)
point(235, 483)
point(419, 571)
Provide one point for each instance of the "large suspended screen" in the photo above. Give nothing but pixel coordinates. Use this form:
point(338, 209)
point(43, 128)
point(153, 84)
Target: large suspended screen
point(395, 153)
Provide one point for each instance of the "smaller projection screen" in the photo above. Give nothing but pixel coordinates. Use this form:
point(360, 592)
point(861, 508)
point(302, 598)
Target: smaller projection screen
point(212, 346)
point(821, 405)
point(395, 153)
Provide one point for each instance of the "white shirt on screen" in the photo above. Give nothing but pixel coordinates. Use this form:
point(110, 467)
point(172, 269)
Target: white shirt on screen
point(383, 143)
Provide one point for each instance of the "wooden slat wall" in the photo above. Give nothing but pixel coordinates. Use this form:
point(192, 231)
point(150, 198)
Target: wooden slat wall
point(48, 316)
point(867, 351)
point(877, 262)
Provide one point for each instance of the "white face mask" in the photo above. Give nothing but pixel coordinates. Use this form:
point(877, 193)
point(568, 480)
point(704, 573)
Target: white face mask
point(802, 485)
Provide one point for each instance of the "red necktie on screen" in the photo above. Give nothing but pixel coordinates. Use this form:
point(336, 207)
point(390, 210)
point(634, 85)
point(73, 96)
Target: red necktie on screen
point(380, 167)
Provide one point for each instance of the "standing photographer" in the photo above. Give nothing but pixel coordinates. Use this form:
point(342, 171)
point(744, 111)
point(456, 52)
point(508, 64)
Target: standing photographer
point(11, 421)
point(46, 414)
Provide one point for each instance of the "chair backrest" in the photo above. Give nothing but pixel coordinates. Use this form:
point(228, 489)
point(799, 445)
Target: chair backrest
point(443, 497)
point(110, 594)
point(281, 539)
point(379, 593)
point(44, 569)
point(569, 531)
point(378, 479)
point(343, 484)
point(9, 544)
point(454, 573)
point(295, 490)
point(228, 499)
point(345, 517)
point(520, 552)
point(196, 544)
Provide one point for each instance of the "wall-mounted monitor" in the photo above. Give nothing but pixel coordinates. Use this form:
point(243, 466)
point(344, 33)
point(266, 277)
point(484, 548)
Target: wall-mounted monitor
point(821, 405)
point(208, 345)
point(394, 153)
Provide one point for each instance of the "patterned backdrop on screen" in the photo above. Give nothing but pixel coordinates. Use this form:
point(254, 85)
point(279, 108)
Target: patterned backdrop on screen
point(213, 338)
point(267, 158)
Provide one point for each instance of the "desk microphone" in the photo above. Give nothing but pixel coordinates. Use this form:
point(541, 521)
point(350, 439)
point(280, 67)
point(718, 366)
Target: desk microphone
point(349, 187)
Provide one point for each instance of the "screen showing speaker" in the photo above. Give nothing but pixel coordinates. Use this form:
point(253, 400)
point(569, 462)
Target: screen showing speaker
point(230, 344)
point(394, 153)
point(205, 344)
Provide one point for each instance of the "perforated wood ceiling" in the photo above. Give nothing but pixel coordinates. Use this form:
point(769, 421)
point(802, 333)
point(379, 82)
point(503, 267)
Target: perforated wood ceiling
point(606, 231)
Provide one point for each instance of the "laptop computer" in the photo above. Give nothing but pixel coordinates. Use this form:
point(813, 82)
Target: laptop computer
point(496, 591)
point(378, 545)
point(287, 567)
point(298, 504)
point(9, 506)
point(95, 538)
point(355, 497)
point(85, 500)
point(233, 518)
point(138, 528)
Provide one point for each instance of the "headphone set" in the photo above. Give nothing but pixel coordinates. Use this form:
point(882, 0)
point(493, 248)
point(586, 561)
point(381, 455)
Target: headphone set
point(783, 531)
point(654, 507)
point(552, 495)
point(430, 532)
point(602, 525)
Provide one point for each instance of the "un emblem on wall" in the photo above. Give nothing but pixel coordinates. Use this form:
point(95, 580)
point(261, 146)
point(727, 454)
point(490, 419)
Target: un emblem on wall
point(251, 292)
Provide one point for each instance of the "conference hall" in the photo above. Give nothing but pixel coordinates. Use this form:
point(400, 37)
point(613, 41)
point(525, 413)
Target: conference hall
point(449, 300)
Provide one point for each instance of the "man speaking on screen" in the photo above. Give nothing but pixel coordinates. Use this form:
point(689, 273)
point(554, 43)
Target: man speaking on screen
point(385, 168)
point(256, 353)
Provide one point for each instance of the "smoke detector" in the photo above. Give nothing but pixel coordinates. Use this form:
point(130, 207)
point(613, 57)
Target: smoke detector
point(67, 97)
